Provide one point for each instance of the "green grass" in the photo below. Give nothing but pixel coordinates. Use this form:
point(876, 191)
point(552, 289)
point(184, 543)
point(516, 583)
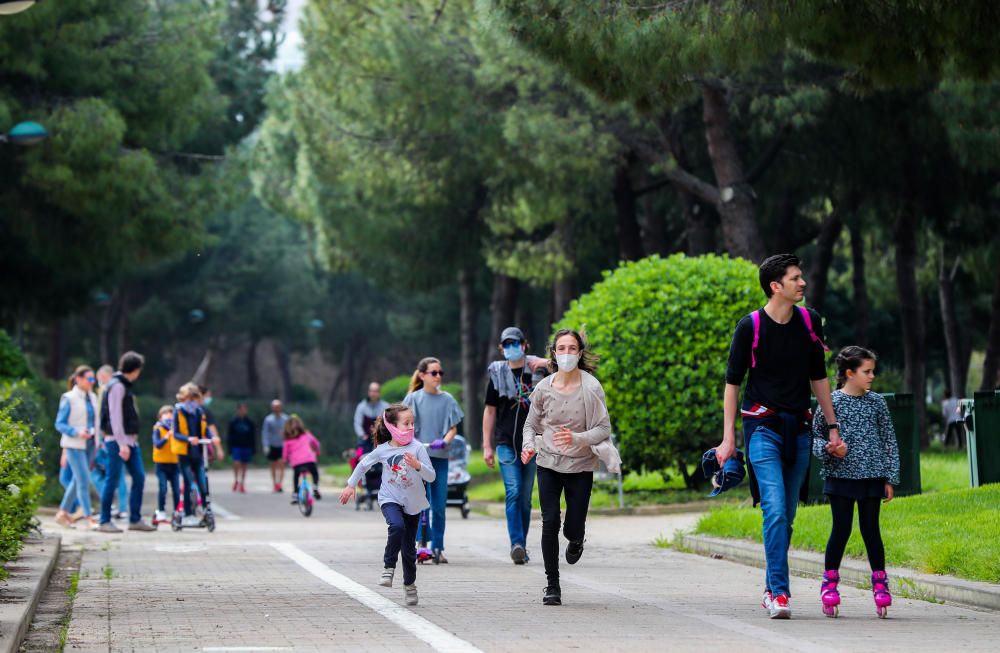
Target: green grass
point(943, 470)
point(71, 592)
point(953, 532)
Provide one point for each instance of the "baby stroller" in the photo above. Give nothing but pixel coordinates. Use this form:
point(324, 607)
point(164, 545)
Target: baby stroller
point(458, 474)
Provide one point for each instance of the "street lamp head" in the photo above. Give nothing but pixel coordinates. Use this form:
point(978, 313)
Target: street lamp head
point(8, 7)
point(27, 133)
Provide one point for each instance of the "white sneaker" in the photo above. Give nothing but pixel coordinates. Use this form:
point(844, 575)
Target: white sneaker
point(191, 520)
point(411, 594)
point(160, 517)
point(386, 580)
point(778, 607)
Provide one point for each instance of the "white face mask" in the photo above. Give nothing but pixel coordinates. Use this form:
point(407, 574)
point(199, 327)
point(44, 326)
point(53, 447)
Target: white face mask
point(567, 362)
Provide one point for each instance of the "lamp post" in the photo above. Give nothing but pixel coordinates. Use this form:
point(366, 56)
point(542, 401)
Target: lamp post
point(8, 7)
point(25, 134)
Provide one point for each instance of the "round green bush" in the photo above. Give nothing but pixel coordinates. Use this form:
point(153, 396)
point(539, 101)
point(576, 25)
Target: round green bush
point(662, 328)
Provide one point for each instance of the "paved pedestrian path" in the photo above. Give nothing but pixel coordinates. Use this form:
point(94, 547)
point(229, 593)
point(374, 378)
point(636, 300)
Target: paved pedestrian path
point(269, 579)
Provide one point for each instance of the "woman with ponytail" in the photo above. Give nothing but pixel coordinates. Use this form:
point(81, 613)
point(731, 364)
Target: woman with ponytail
point(77, 422)
point(405, 468)
point(436, 416)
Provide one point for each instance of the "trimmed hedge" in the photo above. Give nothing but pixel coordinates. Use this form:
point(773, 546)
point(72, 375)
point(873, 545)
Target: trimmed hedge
point(20, 483)
point(662, 328)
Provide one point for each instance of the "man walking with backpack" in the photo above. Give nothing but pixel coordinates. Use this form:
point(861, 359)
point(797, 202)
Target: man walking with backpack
point(781, 347)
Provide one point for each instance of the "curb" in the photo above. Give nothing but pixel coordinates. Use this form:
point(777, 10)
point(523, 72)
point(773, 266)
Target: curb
point(905, 583)
point(29, 576)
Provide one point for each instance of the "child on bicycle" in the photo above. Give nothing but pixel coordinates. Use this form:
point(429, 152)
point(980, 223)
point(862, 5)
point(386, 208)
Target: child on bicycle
point(405, 468)
point(301, 450)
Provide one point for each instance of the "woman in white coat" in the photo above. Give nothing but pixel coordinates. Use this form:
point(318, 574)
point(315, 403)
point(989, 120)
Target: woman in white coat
point(77, 422)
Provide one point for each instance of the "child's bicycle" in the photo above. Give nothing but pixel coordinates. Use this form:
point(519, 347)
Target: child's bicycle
point(305, 496)
point(207, 516)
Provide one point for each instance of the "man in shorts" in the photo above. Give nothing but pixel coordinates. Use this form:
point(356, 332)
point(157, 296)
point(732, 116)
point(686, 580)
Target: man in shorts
point(272, 439)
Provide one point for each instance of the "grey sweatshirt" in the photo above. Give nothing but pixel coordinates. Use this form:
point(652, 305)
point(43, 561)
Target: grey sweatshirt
point(400, 483)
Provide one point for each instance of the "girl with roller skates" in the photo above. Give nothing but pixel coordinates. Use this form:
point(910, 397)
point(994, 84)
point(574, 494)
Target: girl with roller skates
point(862, 467)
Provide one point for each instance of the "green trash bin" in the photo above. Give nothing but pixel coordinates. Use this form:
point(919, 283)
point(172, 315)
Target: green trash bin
point(982, 425)
point(903, 412)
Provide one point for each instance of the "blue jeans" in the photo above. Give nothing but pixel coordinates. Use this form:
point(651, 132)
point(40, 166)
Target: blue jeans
point(779, 484)
point(193, 471)
point(518, 484)
point(400, 541)
point(167, 473)
point(98, 476)
point(78, 487)
point(115, 474)
point(437, 496)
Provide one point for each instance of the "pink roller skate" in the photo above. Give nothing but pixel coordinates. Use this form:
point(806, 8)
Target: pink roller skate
point(880, 590)
point(829, 594)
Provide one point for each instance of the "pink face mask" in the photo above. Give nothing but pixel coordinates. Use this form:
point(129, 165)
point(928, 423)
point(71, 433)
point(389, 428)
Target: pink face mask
point(402, 437)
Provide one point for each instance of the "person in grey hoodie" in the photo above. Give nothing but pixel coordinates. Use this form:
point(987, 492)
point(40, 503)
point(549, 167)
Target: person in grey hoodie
point(567, 421)
point(272, 439)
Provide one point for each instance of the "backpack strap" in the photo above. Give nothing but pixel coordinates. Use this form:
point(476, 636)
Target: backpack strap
point(804, 312)
point(755, 318)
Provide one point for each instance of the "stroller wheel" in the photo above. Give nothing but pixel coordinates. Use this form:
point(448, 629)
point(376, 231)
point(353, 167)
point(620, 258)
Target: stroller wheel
point(210, 522)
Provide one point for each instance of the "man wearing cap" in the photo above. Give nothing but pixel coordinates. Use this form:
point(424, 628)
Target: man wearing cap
point(506, 409)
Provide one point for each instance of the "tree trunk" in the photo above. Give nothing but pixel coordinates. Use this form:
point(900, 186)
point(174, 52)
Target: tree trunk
point(200, 375)
point(739, 221)
point(109, 329)
point(991, 364)
point(627, 222)
point(697, 229)
point(562, 289)
point(470, 371)
point(502, 309)
point(283, 359)
point(819, 273)
point(912, 317)
point(359, 365)
point(946, 297)
point(55, 365)
point(860, 285)
point(253, 376)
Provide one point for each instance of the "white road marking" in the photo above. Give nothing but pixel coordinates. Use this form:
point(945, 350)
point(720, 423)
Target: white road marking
point(435, 636)
point(225, 514)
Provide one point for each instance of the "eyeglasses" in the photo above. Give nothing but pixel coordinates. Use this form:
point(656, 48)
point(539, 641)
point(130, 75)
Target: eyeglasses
point(436, 373)
point(510, 343)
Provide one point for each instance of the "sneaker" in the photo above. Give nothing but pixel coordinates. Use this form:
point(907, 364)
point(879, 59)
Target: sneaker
point(77, 514)
point(518, 554)
point(108, 527)
point(236, 486)
point(552, 595)
point(765, 601)
point(294, 501)
point(317, 495)
point(90, 523)
point(278, 488)
point(386, 579)
point(121, 514)
point(275, 488)
point(410, 591)
point(160, 517)
point(243, 488)
point(439, 558)
point(527, 558)
point(779, 608)
point(191, 521)
point(574, 551)
point(141, 526)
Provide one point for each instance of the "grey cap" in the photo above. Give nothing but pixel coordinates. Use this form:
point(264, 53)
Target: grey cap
point(511, 333)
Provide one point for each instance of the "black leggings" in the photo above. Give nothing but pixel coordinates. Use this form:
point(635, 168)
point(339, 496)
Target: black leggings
point(843, 522)
point(302, 469)
point(551, 485)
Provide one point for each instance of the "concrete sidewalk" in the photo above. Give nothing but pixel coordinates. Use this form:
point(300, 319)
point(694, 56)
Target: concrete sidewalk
point(235, 591)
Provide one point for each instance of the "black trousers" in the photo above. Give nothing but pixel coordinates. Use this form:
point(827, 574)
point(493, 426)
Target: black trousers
point(551, 486)
point(843, 523)
point(401, 540)
point(302, 469)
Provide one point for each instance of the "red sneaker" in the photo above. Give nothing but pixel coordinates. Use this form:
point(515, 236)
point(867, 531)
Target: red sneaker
point(779, 608)
point(243, 488)
point(236, 486)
